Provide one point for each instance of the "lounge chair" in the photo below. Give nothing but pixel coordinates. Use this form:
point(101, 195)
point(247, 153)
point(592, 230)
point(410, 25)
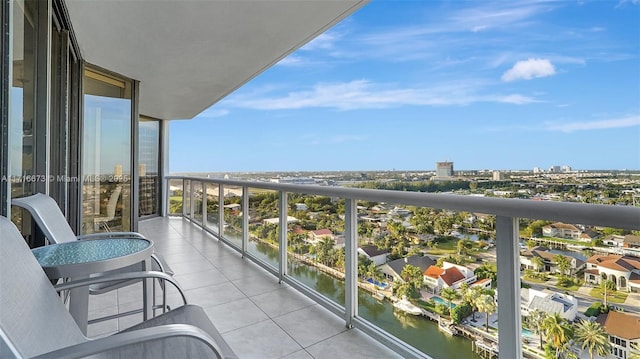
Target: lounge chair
point(49, 218)
point(34, 323)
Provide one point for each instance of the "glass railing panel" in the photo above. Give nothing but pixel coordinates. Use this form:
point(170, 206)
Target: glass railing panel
point(187, 199)
point(232, 226)
point(402, 253)
point(197, 201)
point(264, 225)
point(213, 207)
point(316, 244)
point(176, 191)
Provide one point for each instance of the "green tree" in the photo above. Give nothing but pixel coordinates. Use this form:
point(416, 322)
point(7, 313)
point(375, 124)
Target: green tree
point(469, 294)
point(557, 330)
point(487, 305)
point(607, 286)
point(460, 312)
point(536, 318)
point(450, 295)
point(487, 270)
point(563, 264)
point(412, 274)
point(592, 337)
point(538, 262)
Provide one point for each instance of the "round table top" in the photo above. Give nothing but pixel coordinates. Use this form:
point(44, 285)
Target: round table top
point(84, 257)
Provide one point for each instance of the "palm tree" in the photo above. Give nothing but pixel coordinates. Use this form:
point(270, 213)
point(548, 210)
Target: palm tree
point(469, 295)
point(563, 264)
point(537, 262)
point(487, 305)
point(557, 330)
point(536, 318)
point(450, 294)
point(591, 336)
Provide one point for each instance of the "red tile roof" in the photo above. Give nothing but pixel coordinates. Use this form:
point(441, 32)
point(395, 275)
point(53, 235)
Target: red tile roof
point(452, 275)
point(622, 325)
point(323, 232)
point(616, 262)
point(434, 272)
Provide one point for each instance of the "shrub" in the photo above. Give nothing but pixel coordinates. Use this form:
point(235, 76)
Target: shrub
point(460, 312)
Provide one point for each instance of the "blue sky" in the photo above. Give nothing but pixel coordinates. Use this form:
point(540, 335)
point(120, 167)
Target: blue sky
point(403, 84)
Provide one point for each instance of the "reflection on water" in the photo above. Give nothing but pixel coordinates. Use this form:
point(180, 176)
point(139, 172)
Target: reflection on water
point(419, 332)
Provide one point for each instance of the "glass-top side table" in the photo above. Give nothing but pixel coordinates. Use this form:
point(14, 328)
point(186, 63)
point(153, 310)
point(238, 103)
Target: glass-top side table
point(82, 258)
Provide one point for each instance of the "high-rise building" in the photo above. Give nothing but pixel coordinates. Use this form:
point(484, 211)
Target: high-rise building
point(498, 176)
point(444, 169)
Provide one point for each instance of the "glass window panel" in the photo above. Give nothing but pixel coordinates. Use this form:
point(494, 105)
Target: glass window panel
point(148, 166)
point(106, 155)
point(22, 107)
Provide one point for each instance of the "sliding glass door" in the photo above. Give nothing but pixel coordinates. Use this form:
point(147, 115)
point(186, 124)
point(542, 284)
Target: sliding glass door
point(107, 153)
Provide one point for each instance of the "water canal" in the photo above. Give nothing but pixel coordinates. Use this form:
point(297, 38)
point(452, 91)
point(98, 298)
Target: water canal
point(419, 332)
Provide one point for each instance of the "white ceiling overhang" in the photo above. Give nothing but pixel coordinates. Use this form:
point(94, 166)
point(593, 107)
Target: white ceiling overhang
point(189, 54)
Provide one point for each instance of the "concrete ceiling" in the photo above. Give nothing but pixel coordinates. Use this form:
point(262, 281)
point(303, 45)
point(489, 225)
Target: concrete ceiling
point(189, 54)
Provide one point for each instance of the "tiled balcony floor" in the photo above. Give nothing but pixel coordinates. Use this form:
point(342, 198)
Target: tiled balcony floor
point(258, 317)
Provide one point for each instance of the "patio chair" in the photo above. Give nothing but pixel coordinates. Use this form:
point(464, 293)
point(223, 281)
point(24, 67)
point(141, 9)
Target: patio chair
point(110, 215)
point(34, 323)
point(49, 218)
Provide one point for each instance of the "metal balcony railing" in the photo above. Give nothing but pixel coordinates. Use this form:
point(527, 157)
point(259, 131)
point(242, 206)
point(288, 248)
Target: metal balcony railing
point(506, 211)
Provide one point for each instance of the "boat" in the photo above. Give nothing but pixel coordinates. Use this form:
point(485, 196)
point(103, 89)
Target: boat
point(447, 327)
point(378, 295)
point(406, 306)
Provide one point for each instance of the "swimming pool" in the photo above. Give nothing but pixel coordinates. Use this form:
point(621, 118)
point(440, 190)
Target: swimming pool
point(377, 284)
point(442, 301)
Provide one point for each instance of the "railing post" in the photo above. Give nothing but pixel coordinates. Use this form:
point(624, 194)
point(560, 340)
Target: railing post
point(509, 323)
point(221, 210)
point(245, 219)
point(350, 261)
point(204, 204)
point(283, 229)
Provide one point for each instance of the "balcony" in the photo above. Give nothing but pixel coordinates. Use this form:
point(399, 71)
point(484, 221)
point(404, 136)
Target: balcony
point(271, 303)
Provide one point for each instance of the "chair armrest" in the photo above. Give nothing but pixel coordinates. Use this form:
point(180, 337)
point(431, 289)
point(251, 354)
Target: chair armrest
point(102, 235)
point(134, 337)
point(104, 278)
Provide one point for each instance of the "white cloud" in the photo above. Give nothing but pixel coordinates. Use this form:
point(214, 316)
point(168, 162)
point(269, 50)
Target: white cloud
point(630, 121)
point(363, 94)
point(214, 112)
point(529, 69)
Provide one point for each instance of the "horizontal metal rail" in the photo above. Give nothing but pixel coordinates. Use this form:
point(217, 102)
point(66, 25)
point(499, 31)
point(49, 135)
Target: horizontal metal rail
point(624, 217)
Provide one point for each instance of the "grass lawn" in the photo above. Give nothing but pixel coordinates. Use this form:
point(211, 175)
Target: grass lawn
point(569, 284)
point(447, 246)
point(535, 280)
point(612, 297)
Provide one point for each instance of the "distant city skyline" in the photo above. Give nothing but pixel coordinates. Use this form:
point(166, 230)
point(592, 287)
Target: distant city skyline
point(405, 84)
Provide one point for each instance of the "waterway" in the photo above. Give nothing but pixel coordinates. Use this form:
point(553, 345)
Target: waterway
point(419, 332)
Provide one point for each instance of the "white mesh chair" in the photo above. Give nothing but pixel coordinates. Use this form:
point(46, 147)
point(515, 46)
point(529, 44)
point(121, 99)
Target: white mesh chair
point(34, 323)
point(110, 215)
point(49, 218)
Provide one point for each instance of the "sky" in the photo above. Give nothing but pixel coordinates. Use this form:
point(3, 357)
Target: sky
point(400, 85)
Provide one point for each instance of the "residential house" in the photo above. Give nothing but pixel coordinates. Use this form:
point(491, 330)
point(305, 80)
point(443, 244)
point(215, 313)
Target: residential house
point(276, 220)
point(319, 235)
point(449, 276)
point(561, 230)
point(526, 260)
point(392, 270)
point(549, 302)
point(378, 256)
point(624, 332)
point(613, 240)
point(631, 241)
point(624, 271)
